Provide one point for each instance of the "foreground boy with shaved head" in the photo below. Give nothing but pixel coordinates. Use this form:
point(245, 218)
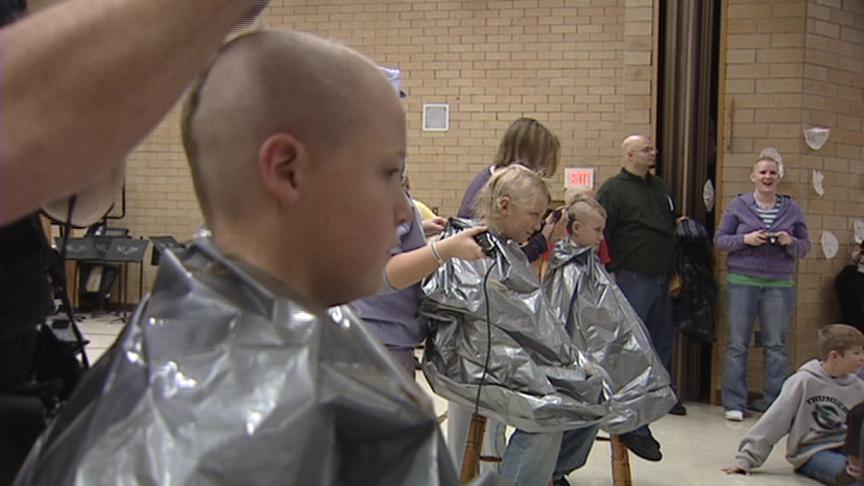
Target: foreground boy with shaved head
point(232, 371)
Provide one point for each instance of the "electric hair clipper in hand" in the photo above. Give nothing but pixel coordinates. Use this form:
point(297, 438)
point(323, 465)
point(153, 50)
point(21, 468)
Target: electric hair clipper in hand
point(486, 243)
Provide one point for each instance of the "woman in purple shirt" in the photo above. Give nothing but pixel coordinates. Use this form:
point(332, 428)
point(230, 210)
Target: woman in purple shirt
point(764, 233)
point(531, 144)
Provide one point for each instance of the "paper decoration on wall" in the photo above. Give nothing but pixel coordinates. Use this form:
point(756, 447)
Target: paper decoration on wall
point(774, 154)
point(830, 245)
point(816, 137)
point(708, 195)
point(818, 182)
point(858, 231)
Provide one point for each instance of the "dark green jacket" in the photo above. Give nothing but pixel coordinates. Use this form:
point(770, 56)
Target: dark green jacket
point(640, 226)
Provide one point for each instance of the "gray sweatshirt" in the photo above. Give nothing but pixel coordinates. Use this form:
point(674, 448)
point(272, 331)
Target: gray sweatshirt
point(811, 408)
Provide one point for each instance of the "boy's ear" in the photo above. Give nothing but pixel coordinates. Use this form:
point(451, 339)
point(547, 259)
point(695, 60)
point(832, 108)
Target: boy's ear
point(282, 162)
point(833, 354)
point(574, 227)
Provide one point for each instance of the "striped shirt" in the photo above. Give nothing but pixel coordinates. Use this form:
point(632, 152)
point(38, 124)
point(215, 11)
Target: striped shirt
point(768, 215)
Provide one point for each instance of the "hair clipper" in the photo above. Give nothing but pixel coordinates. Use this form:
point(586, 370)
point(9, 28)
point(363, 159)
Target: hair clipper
point(486, 243)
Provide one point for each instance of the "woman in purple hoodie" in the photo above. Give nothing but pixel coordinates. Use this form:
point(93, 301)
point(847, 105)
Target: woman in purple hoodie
point(764, 233)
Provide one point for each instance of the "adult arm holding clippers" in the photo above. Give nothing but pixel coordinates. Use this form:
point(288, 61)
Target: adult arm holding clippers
point(85, 80)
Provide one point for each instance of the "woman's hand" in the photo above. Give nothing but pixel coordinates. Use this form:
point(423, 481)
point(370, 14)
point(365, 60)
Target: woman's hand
point(406, 269)
point(734, 470)
point(433, 226)
point(462, 245)
point(756, 238)
point(783, 238)
point(554, 230)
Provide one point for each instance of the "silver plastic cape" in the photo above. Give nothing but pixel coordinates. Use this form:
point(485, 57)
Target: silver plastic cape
point(222, 378)
point(535, 378)
point(603, 325)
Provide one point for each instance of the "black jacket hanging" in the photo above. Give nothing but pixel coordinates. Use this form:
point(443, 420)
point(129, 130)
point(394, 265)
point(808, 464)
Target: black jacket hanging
point(695, 308)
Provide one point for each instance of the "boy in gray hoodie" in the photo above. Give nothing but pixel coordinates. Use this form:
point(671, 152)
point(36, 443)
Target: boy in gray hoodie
point(811, 409)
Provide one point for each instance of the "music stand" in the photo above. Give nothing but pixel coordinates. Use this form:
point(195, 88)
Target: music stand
point(110, 250)
point(160, 244)
point(116, 232)
point(79, 248)
point(91, 250)
point(125, 251)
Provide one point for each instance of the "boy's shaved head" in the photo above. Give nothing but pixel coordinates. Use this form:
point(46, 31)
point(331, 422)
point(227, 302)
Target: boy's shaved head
point(264, 83)
point(586, 219)
point(581, 207)
point(297, 146)
point(571, 194)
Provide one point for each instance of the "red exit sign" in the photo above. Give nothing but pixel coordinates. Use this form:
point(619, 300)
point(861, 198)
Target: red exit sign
point(579, 178)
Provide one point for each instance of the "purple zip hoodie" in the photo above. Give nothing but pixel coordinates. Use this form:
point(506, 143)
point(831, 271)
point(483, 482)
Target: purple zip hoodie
point(768, 261)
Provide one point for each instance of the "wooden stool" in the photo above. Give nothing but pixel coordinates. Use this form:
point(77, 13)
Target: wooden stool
point(620, 461)
point(473, 446)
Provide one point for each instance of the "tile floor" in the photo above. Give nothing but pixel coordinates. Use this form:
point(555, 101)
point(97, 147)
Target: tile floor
point(695, 446)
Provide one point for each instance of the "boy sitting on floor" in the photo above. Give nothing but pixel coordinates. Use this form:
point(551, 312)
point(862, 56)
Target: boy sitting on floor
point(811, 409)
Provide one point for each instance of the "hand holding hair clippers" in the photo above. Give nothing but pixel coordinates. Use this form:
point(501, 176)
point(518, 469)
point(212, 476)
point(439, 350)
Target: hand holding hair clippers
point(486, 243)
point(551, 228)
point(464, 241)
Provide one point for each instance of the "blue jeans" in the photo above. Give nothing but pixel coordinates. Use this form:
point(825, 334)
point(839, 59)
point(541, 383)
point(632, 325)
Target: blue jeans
point(774, 307)
point(824, 466)
point(648, 293)
point(534, 459)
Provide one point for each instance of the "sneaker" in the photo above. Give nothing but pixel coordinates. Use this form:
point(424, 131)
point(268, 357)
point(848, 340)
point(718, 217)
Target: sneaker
point(643, 446)
point(734, 415)
point(678, 409)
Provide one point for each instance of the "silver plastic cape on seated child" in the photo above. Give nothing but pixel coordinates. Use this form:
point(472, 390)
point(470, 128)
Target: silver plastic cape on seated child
point(222, 378)
point(607, 329)
point(535, 379)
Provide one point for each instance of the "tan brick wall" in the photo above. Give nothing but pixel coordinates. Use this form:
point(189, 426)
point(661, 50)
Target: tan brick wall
point(790, 65)
point(584, 68)
point(833, 97)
